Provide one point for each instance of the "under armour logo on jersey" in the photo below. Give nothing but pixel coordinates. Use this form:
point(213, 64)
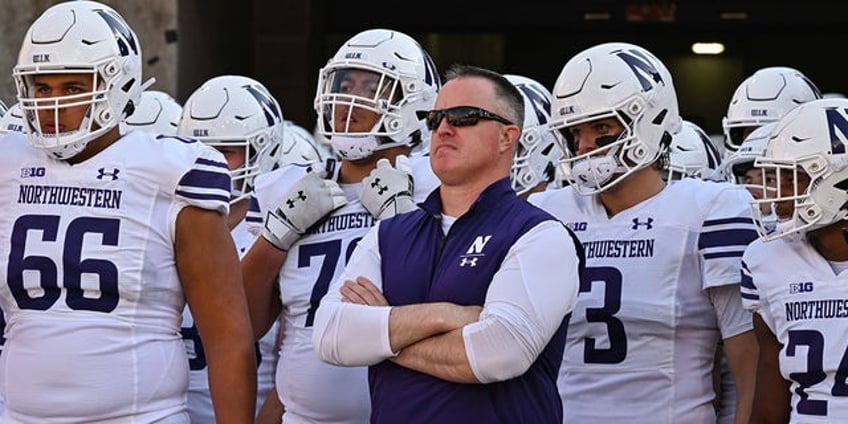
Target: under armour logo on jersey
point(470, 261)
point(648, 224)
point(101, 173)
point(300, 196)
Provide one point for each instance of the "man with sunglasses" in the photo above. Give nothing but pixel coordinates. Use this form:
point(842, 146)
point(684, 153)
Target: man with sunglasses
point(367, 99)
point(459, 307)
point(661, 284)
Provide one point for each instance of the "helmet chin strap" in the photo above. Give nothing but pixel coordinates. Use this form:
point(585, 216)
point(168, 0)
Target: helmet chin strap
point(594, 172)
point(354, 147)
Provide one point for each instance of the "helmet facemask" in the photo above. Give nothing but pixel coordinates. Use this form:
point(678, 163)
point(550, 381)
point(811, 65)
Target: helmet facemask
point(786, 188)
point(346, 110)
point(78, 38)
point(98, 120)
point(380, 72)
point(616, 157)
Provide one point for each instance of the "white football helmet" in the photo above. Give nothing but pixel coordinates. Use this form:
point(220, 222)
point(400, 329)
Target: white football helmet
point(692, 154)
point(401, 79)
point(539, 151)
point(622, 81)
point(812, 140)
point(763, 97)
point(233, 110)
point(12, 120)
point(79, 37)
point(299, 146)
point(742, 160)
point(157, 112)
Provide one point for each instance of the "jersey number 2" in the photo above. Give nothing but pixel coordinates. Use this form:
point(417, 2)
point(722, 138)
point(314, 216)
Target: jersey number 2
point(814, 340)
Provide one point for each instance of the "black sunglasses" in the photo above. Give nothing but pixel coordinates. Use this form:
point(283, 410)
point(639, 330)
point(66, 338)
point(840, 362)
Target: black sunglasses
point(459, 116)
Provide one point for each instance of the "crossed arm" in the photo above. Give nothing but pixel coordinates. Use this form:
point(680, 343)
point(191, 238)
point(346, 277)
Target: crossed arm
point(525, 305)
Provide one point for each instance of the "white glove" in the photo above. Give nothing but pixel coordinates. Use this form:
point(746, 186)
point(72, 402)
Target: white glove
point(309, 200)
point(387, 191)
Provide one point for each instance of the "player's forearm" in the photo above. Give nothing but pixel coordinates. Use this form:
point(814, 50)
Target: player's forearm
point(272, 409)
point(260, 267)
point(232, 381)
point(442, 356)
point(741, 351)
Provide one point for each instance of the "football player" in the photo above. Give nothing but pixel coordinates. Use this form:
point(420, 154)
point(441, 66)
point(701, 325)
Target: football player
point(795, 277)
point(662, 260)
point(538, 153)
point(239, 117)
point(107, 238)
point(366, 100)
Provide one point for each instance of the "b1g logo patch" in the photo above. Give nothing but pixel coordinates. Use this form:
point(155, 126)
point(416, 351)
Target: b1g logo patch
point(30, 172)
point(805, 287)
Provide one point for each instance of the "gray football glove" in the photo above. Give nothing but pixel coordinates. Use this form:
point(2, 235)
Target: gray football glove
point(387, 191)
point(310, 199)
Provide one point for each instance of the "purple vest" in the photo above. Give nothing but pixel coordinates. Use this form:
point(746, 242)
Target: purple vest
point(420, 264)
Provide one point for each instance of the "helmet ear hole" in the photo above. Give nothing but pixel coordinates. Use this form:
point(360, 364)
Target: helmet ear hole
point(104, 116)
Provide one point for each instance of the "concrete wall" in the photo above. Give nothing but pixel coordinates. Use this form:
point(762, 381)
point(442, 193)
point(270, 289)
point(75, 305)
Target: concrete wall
point(154, 22)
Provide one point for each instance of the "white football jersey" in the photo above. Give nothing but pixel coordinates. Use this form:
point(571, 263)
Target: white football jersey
point(311, 390)
point(92, 297)
point(200, 407)
point(642, 338)
point(804, 303)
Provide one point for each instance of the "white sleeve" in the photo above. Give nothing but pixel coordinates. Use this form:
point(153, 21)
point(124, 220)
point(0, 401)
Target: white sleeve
point(535, 288)
point(733, 319)
point(348, 334)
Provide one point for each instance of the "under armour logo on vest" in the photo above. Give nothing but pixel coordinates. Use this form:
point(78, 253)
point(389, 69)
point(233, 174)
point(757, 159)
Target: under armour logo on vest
point(468, 261)
point(648, 224)
point(300, 196)
point(102, 173)
point(380, 188)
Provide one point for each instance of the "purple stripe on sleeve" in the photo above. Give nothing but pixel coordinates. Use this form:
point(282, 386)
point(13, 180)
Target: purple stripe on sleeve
point(206, 180)
point(723, 238)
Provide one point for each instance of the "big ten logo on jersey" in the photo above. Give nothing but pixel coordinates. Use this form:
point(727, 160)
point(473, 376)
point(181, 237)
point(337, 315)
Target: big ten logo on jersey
point(803, 287)
point(35, 171)
point(577, 226)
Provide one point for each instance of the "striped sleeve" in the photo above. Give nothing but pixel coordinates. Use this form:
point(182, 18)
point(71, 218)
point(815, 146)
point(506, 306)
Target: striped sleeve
point(750, 293)
point(207, 183)
point(254, 217)
point(725, 233)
